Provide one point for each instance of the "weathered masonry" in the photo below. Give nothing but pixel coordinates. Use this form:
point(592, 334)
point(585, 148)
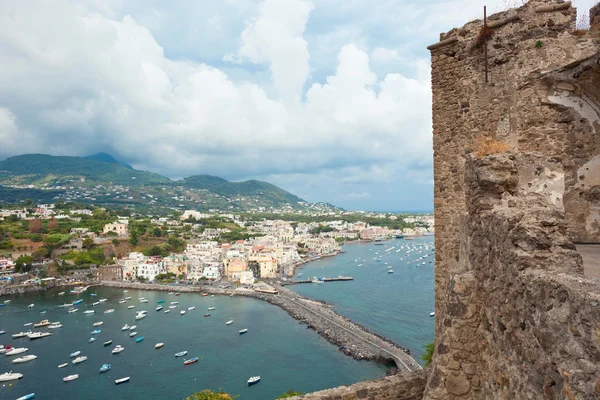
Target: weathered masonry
point(517, 184)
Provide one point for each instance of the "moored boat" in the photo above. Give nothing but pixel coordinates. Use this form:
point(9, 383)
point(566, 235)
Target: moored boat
point(144, 301)
point(98, 323)
point(70, 378)
point(10, 376)
point(167, 311)
point(23, 359)
point(229, 322)
point(104, 367)
point(79, 301)
point(132, 334)
point(128, 298)
point(253, 380)
point(181, 353)
point(6, 349)
point(107, 343)
point(63, 365)
point(130, 307)
point(190, 361)
point(38, 335)
point(96, 331)
point(92, 340)
point(132, 328)
point(159, 308)
point(211, 308)
point(55, 325)
point(102, 300)
point(2, 331)
point(112, 310)
point(27, 396)
point(118, 349)
point(191, 308)
point(88, 312)
point(432, 314)
point(207, 315)
point(42, 323)
point(122, 380)
point(20, 335)
point(158, 345)
point(140, 316)
point(31, 305)
point(139, 339)
point(243, 331)
point(72, 310)
point(182, 312)
point(75, 354)
point(160, 301)
point(15, 351)
point(79, 359)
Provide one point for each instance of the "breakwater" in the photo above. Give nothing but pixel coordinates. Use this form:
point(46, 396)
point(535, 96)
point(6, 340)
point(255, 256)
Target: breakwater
point(351, 338)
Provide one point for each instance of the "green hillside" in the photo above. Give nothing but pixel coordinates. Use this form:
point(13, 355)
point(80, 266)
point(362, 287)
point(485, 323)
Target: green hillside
point(38, 169)
point(104, 157)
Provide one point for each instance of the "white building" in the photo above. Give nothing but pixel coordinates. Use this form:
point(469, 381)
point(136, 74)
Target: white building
point(149, 269)
point(212, 272)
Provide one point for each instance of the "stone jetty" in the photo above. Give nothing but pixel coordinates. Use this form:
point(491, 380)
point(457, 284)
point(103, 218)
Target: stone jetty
point(351, 338)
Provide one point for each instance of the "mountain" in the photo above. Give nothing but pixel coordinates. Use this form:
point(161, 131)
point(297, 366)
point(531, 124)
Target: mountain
point(101, 179)
point(104, 157)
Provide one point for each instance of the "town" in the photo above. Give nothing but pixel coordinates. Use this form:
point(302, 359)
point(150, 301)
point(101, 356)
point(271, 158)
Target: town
point(46, 244)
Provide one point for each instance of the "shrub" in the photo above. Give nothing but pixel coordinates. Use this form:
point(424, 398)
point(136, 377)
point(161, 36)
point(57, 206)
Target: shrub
point(210, 395)
point(429, 347)
point(484, 34)
point(289, 393)
point(486, 145)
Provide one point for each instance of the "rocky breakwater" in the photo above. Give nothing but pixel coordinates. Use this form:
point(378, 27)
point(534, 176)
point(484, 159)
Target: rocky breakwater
point(351, 338)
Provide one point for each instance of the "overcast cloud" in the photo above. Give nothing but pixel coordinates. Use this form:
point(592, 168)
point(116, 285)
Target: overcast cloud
point(329, 99)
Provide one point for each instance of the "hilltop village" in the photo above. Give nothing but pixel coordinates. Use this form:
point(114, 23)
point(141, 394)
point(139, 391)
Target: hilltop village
point(46, 243)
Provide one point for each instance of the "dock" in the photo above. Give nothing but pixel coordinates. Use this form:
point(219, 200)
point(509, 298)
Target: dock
point(338, 278)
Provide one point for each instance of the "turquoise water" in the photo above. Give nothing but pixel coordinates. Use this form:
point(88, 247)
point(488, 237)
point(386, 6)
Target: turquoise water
point(396, 305)
point(283, 352)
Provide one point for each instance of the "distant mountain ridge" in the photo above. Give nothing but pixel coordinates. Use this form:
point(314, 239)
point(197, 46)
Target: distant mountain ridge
point(46, 171)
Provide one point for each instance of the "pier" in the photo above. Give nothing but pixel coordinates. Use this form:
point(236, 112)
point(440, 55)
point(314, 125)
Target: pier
point(339, 278)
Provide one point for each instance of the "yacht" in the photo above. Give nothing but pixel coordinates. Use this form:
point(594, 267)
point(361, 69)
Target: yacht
point(92, 340)
point(112, 310)
point(2, 331)
point(88, 312)
point(132, 328)
point(253, 380)
point(24, 359)
point(229, 322)
point(79, 359)
point(182, 312)
point(98, 323)
point(70, 378)
point(211, 308)
point(95, 303)
point(63, 365)
point(191, 308)
point(55, 325)
point(118, 349)
point(190, 361)
point(158, 308)
point(96, 331)
point(10, 376)
point(20, 335)
point(130, 307)
point(16, 351)
point(122, 380)
point(42, 323)
point(27, 396)
point(125, 327)
point(181, 354)
point(158, 345)
point(102, 300)
point(31, 305)
point(107, 343)
point(167, 311)
point(105, 367)
point(132, 334)
point(140, 316)
point(432, 314)
point(72, 310)
point(38, 335)
point(243, 331)
point(75, 354)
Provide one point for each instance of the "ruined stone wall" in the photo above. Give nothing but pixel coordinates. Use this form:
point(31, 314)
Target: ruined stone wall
point(507, 275)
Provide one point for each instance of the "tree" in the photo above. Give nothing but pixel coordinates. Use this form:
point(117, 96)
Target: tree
point(210, 395)
point(24, 264)
point(289, 393)
point(429, 347)
point(157, 232)
point(35, 226)
point(53, 224)
point(133, 238)
point(99, 214)
point(88, 243)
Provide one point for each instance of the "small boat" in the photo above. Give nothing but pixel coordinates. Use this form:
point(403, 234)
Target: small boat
point(170, 293)
point(72, 310)
point(118, 349)
point(167, 311)
point(88, 312)
point(243, 331)
point(140, 316)
point(390, 271)
point(207, 315)
point(432, 314)
point(177, 294)
point(132, 334)
point(98, 323)
point(174, 303)
point(38, 335)
point(158, 308)
point(104, 367)
point(70, 378)
point(19, 335)
point(95, 303)
point(122, 380)
point(143, 301)
point(2, 331)
point(212, 295)
point(61, 293)
point(63, 365)
point(102, 300)
point(27, 396)
point(107, 343)
point(8, 301)
point(92, 340)
point(171, 307)
point(31, 305)
point(28, 324)
point(160, 301)
point(190, 361)
point(128, 298)
point(55, 325)
point(96, 331)
point(41, 312)
point(130, 307)
point(23, 359)
point(125, 291)
point(132, 328)
point(16, 351)
point(182, 312)
point(79, 359)
point(181, 354)
point(253, 380)
point(93, 294)
point(79, 301)
point(191, 308)
point(75, 354)
point(229, 322)
point(125, 327)
point(211, 308)
point(6, 349)
point(139, 339)
point(10, 376)
point(122, 301)
point(158, 345)
point(112, 310)
point(141, 298)
point(204, 294)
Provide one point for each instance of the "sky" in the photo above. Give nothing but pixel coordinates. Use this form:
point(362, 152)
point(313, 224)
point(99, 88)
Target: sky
point(329, 99)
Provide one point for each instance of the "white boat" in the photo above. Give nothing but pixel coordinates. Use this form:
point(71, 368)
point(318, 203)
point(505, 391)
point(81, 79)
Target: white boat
point(242, 331)
point(55, 325)
point(20, 335)
point(158, 345)
point(70, 378)
point(63, 365)
point(174, 302)
point(88, 312)
point(191, 308)
point(79, 359)
point(118, 349)
point(132, 328)
point(130, 307)
point(95, 303)
point(159, 308)
point(212, 295)
point(72, 310)
point(128, 298)
point(126, 379)
point(75, 354)
point(112, 310)
point(38, 335)
point(143, 301)
point(16, 351)
point(171, 307)
point(182, 312)
point(167, 311)
point(125, 291)
point(122, 301)
point(102, 300)
point(24, 359)
point(8, 301)
point(92, 339)
point(28, 324)
point(229, 322)
point(211, 308)
point(141, 298)
point(10, 376)
point(27, 396)
point(181, 353)
point(253, 380)
point(140, 316)
point(125, 327)
point(98, 323)
point(42, 324)
point(132, 334)
point(432, 314)
point(31, 305)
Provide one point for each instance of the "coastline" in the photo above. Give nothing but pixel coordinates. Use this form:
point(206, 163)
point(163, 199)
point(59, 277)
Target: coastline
point(351, 338)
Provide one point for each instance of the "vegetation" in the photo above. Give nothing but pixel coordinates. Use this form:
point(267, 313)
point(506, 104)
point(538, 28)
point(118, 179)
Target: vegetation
point(210, 395)
point(321, 228)
point(289, 393)
point(429, 347)
point(81, 258)
point(486, 145)
point(11, 195)
point(23, 264)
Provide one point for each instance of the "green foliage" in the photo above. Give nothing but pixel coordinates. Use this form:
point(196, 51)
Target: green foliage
point(169, 276)
point(429, 347)
point(23, 264)
point(176, 245)
point(289, 393)
point(116, 242)
point(237, 234)
point(6, 244)
point(11, 195)
point(133, 238)
point(156, 251)
point(88, 243)
point(210, 395)
point(157, 232)
point(539, 44)
point(92, 256)
point(56, 240)
point(321, 228)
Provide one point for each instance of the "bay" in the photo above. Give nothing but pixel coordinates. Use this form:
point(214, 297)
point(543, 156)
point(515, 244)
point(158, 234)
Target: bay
point(396, 305)
point(283, 352)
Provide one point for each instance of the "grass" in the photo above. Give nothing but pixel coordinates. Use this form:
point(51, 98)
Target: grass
point(486, 145)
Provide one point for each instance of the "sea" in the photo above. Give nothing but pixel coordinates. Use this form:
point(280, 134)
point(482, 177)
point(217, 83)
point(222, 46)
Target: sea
point(282, 351)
